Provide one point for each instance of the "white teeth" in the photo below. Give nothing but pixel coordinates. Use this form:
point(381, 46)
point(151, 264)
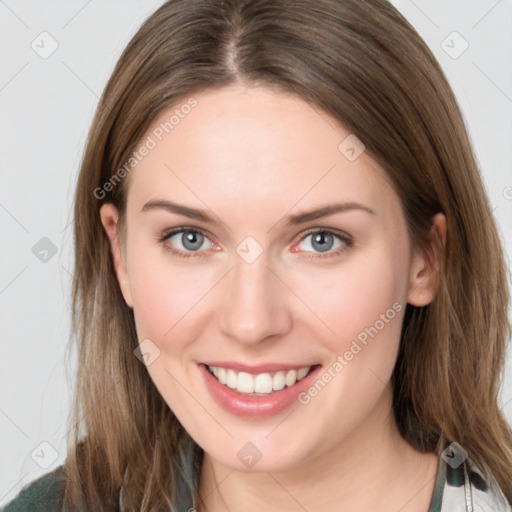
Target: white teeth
point(302, 373)
point(231, 379)
point(221, 375)
point(263, 383)
point(291, 378)
point(278, 381)
point(245, 383)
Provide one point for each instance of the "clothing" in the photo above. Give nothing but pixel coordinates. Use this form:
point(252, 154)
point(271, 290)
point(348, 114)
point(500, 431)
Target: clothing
point(42, 495)
point(464, 489)
point(460, 489)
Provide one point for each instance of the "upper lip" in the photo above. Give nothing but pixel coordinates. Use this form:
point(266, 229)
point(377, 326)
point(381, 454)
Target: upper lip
point(255, 369)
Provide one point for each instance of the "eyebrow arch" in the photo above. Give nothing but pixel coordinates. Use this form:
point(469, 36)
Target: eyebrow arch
point(330, 209)
point(300, 218)
point(193, 213)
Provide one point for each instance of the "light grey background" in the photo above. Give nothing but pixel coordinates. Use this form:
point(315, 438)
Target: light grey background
point(46, 107)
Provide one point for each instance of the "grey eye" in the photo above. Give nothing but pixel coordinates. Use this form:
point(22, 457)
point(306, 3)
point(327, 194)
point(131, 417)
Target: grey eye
point(320, 241)
point(188, 239)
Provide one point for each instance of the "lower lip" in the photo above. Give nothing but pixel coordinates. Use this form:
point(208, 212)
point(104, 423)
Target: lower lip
point(251, 406)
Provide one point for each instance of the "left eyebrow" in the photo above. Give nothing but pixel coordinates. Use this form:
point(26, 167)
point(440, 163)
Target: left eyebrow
point(331, 209)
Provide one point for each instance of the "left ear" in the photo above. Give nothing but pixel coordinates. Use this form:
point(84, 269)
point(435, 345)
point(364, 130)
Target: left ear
point(426, 263)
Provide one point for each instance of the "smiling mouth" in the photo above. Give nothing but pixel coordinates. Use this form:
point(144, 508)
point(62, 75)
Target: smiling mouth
point(261, 384)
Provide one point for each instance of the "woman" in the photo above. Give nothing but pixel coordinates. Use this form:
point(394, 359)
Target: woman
point(289, 290)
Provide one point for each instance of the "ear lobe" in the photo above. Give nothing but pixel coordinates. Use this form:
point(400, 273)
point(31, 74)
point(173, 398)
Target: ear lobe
point(426, 264)
point(109, 218)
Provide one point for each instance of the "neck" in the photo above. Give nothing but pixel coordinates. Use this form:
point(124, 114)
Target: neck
point(372, 469)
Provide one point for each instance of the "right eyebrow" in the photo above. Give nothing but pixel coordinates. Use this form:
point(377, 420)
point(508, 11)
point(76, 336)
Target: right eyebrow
point(187, 211)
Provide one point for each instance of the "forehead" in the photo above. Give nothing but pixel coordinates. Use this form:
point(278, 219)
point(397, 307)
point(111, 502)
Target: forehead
point(251, 148)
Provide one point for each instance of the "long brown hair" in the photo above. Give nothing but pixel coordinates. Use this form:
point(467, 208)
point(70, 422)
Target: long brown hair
point(347, 58)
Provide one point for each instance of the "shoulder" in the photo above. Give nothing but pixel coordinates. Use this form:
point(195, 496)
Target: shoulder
point(41, 495)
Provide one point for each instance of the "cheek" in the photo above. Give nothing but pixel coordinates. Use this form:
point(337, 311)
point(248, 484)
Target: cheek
point(167, 297)
point(159, 300)
point(358, 300)
point(363, 304)
point(168, 304)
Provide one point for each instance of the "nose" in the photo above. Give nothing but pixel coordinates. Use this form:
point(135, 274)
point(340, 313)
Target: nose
point(256, 307)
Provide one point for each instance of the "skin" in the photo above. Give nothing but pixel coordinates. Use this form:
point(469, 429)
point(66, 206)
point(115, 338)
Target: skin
point(251, 157)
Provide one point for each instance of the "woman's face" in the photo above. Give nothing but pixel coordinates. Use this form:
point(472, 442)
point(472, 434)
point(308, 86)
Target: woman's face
point(253, 292)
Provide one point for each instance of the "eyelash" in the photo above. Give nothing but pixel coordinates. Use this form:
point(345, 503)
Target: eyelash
point(343, 237)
